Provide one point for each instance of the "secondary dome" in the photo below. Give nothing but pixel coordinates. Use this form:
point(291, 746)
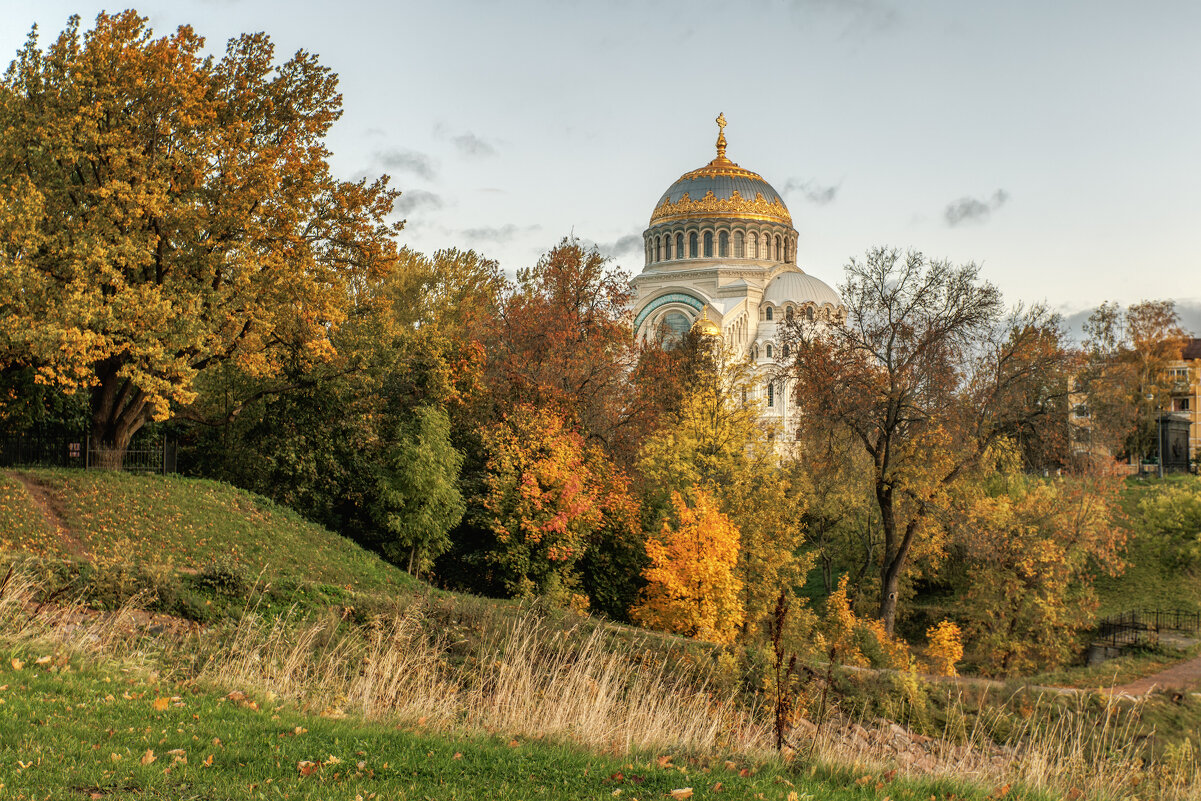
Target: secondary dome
point(721, 189)
point(800, 288)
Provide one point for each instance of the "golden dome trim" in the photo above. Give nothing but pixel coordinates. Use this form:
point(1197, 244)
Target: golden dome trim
point(712, 206)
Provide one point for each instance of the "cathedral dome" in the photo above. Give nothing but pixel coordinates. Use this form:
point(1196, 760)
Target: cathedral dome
point(796, 287)
point(721, 189)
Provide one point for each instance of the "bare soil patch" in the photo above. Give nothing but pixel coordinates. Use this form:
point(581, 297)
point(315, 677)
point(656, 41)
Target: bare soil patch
point(54, 512)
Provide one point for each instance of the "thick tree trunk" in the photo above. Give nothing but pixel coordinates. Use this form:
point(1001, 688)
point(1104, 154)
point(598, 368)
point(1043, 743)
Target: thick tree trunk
point(119, 410)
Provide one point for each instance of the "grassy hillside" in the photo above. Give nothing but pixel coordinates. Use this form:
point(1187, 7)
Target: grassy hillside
point(1158, 574)
point(176, 536)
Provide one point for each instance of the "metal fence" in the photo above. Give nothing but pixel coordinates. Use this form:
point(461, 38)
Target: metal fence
point(151, 455)
point(1143, 626)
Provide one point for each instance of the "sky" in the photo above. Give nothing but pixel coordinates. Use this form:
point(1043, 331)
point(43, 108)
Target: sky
point(1056, 145)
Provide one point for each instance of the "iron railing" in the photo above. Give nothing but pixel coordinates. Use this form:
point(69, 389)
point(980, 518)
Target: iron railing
point(153, 456)
point(1143, 626)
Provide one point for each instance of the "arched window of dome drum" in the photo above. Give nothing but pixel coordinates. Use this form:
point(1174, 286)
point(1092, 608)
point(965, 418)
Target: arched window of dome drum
point(708, 244)
point(788, 314)
point(751, 251)
point(769, 312)
point(723, 244)
point(787, 249)
point(692, 245)
point(738, 244)
point(771, 387)
point(766, 247)
point(779, 253)
point(667, 248)
point(679, 246)
point(809, 313)
point(769, 351)
point(658, 248)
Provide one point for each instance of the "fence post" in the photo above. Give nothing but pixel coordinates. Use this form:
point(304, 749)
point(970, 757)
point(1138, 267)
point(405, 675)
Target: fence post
point(87, 460)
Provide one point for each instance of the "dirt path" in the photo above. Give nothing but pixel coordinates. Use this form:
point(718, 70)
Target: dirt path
point(53, 512)
point(1181, 676)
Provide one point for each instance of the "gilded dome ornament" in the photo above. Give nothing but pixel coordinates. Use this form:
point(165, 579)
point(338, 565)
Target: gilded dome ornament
point(724, 190)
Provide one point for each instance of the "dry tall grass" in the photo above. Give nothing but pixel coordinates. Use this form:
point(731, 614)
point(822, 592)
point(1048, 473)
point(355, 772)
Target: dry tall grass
point(531, 680)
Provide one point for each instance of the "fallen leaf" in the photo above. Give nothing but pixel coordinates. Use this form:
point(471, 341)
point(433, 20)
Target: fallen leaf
point(458, 755)
point(862, 780)
point(115, 757)
point(17, 663)
point(306, 767)
point(730, 765)
point(361, 765)
point(1000, 792)
point(682, 792)
point(41, 660)
point(664, 761)
point(717, 787)
point(208, 763)
point(1074, 794)
point(513, 744)
point(161, 704)
point(616, 792)
point(148, 757)
point(333, 760)
point(744, 773)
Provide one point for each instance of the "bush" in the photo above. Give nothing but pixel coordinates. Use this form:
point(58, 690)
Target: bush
point(224, 577)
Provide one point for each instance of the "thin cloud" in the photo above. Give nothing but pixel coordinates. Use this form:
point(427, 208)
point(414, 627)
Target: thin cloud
point(410, 161)
point(471, 145)
point(812, 191)
point(503, 233)
point(970, 209)
point(857, 16)
point(467, 143)
point(624, 246)
point(412, 199)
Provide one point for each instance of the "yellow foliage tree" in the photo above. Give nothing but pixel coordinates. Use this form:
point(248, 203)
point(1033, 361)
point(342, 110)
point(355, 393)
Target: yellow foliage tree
point(946, 647)
point(691, 586)
point(163, 213)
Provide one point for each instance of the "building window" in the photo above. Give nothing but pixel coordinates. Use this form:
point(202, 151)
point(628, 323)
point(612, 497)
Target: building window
point(708, 244)
point(692, 252)
point(788, 314)
point(769, 312)
point(679, 246)
point(738, 244)
point(658, 248)
point(1081, 411)
point(785, 350)
point(751, 251)
point(771, 387)
point(1180, 404)
point(769, 351)
point(723, 244)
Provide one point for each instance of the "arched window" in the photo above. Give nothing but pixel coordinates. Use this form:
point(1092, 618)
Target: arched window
point(672, 328)
point(679, 246)
point(723, 244)
point(769, 351)
point(658, 248)
point(708, 244)
point(692, 245)
point(771, 387)
point(766, 247)
point(809, 313)
point(769, 312)
point(667, 248)
point(738, 244)
point(787, 250)
point(752, 252)
point(788, 314)
point(785, 350)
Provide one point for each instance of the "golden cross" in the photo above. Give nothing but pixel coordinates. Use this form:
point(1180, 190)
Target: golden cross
point(721, 123)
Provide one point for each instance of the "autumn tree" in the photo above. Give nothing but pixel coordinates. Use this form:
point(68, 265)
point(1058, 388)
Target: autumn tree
point(691, 585)
point(563, 341)
point(541, 502)
point(1031, 550)
point(926, 372)
point(1124, 384)
point(715, 441)
point(163, 213)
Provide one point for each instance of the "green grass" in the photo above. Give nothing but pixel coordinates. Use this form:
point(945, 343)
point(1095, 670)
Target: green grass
point(22, 526)
point(1154, 577)
point(70, 733)
point(192, 524)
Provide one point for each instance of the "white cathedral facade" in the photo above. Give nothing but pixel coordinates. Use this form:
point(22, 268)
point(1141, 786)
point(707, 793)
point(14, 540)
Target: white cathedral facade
point(721, 251)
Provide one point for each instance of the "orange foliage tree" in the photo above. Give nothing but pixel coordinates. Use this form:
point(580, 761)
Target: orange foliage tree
point(163, 213)
point(691, 584)
point(541, 502)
